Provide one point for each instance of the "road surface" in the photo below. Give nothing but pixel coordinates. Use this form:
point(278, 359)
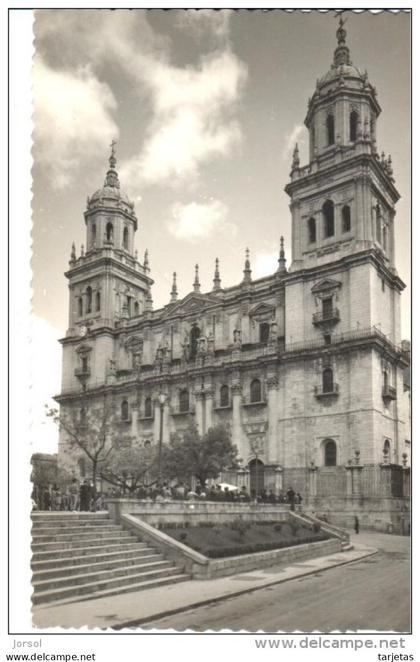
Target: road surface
point(372, 594)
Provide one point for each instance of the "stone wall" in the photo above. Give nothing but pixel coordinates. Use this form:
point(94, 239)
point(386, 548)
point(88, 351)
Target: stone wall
point(195, 512)
point(388, 515)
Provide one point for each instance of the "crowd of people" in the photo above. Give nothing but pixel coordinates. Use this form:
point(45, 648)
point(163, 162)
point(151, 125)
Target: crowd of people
point(72, 497)
point(83, 497)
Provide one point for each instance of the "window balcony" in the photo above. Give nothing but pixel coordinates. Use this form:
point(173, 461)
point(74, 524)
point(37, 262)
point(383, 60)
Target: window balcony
point(326, 317)
point(255, 403)
point(321, 393)
point(183, 412)
point(389, 393)
point(83, 372)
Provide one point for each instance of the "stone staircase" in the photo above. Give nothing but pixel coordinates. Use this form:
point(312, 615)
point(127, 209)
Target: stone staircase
point(331, 529)
point(80, 556)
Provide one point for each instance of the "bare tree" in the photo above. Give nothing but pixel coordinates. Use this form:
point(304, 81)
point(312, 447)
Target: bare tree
point(93, 430)
point(128, 467)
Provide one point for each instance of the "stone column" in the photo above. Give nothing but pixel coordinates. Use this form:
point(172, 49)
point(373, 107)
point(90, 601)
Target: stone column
point(278, 479)
point(166, 425)
point(406, 477)
point(356, 476)
point(199, 411)
point(236, 419)
point(349, 480)
point(208, 397)
point(272, 384)
point(243, 478)
point(313, 473)
point(134, 421)
point(156, 422)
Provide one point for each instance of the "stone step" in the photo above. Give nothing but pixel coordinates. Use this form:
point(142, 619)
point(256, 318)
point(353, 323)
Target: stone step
point(96, 566)
point(138, 550)
point(58, 554)
point(81, 533)
point(136, 586)
point(67, 524)
point(44, 593)
point(61, 516)
point(87, 577)
point(92, 542)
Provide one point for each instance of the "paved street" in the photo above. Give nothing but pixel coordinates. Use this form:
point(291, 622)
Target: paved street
point(372, 594)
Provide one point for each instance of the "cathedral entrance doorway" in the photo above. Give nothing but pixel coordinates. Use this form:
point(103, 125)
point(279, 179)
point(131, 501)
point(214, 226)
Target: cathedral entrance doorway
point(256, 477)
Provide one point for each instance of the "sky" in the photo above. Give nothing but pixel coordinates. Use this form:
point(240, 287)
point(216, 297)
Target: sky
point(206, 107)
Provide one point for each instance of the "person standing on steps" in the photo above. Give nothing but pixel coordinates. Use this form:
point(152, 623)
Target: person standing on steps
point(356, 524)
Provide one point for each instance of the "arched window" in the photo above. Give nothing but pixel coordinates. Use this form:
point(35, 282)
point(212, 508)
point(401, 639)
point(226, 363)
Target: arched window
point(345, 219)
point(387, 448)
point(93, 234)
point(330, 453)
point(378, 221)
point(83, 416)
point(148, 410)
point(255, 391)
point(124, 410)
point(312, 230)
point(330, 130)
point(89, 299)
point(80, 306)
point(136, 308)
point(85, 364)
point(264, 332)
point(184, 400)
point(327, 381)
point(194, 336)
point(109, 232)
point(224, 396)
point(354, 119)
point(98, 301)
point(328, 214)
point(125, 239)
point(82, 467)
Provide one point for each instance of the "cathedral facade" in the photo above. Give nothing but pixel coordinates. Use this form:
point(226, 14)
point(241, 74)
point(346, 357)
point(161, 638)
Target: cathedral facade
point(305, 366)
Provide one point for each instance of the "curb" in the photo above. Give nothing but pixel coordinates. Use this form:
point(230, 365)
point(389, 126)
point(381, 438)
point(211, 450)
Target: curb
point(234, 594)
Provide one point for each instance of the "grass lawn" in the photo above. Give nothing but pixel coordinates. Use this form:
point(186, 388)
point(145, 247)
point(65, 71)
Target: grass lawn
point(240, 537)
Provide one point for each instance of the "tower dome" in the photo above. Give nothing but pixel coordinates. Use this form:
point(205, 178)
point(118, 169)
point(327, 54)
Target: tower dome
point(111, 193)
point(342, 70)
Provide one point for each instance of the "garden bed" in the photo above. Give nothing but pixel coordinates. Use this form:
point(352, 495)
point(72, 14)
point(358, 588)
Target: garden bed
point(240, 537)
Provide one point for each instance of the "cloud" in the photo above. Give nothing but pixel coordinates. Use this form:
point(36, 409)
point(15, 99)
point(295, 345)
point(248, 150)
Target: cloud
point(295, 136)
point(266, 263)
point(195, 220)
point(192, 108)
point(193, 118)
point(72, 119)
point(210, 23)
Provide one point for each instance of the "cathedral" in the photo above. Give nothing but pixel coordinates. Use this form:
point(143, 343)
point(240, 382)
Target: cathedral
point(305, 366)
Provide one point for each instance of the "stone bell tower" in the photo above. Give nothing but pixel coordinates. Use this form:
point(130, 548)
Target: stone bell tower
point(343, 201)
point(107, 283)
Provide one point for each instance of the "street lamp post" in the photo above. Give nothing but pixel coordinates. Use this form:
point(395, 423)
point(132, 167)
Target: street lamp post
point(162, 399)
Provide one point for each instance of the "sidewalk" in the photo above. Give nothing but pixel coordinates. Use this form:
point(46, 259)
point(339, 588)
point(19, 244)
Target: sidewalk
point(134, 609)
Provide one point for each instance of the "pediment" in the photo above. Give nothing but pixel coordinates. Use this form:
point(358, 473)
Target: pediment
point(262, 310)
point(192, 303)
point(326, 285)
